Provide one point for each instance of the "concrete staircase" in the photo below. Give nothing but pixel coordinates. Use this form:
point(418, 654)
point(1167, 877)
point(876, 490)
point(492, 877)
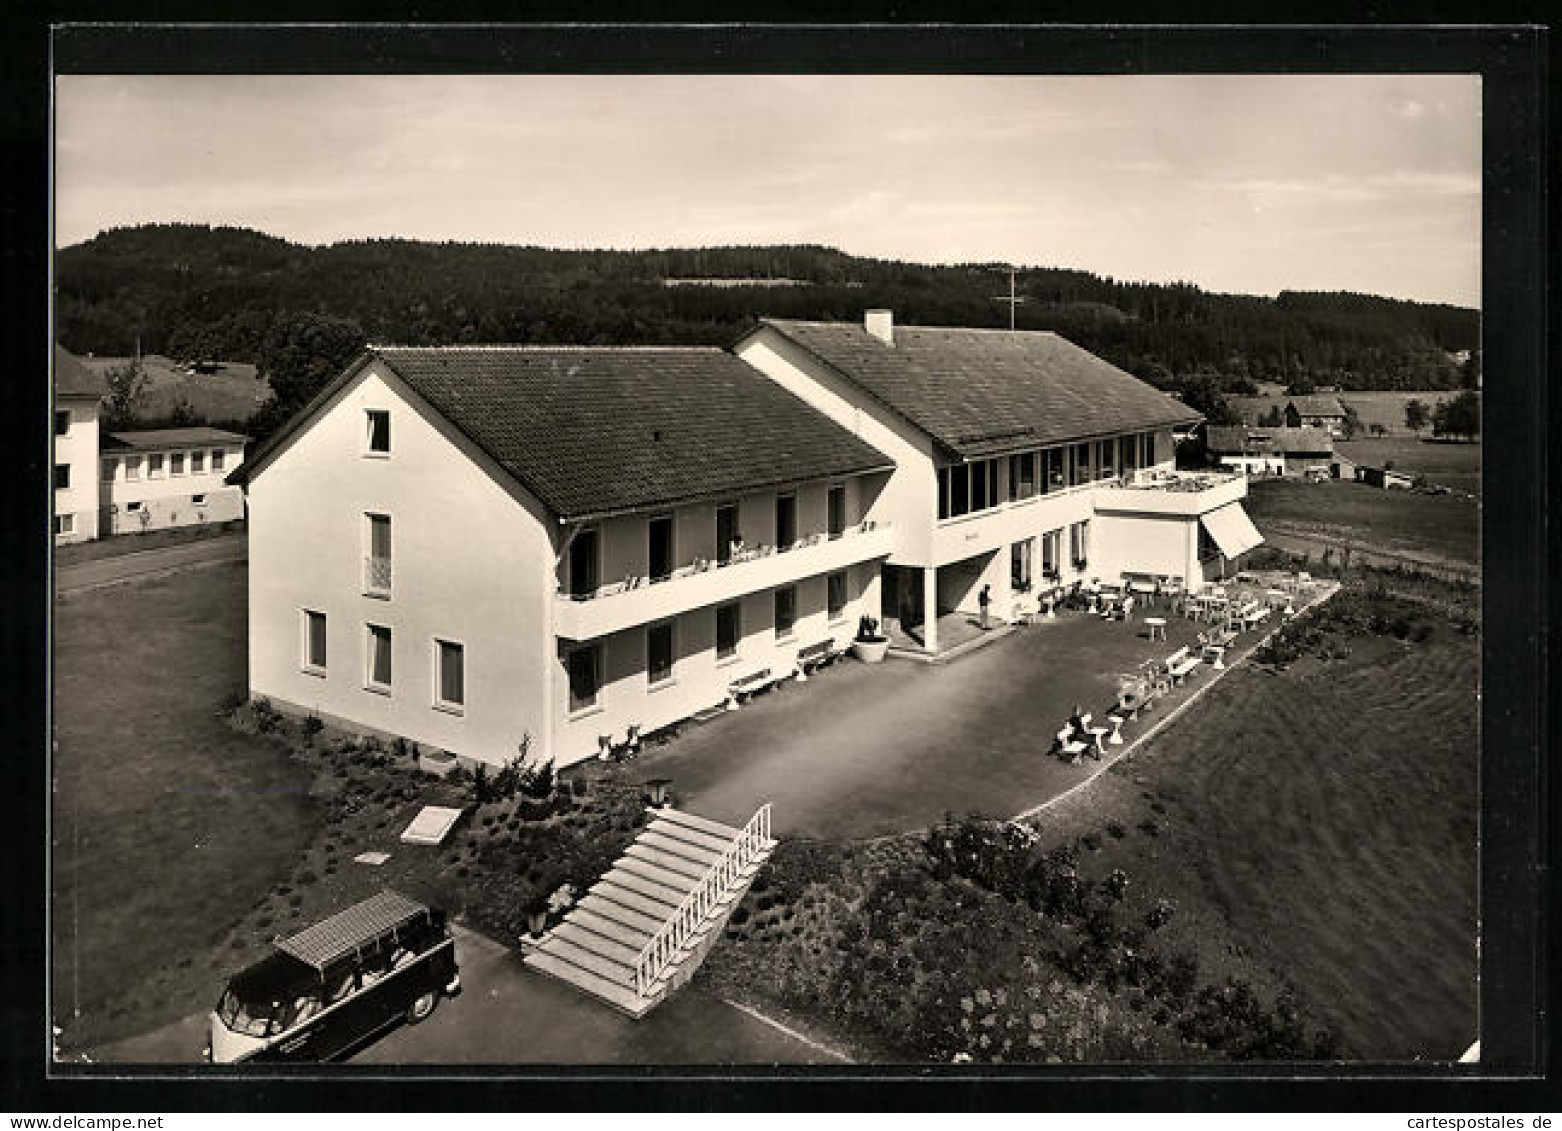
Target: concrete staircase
point(676, 884)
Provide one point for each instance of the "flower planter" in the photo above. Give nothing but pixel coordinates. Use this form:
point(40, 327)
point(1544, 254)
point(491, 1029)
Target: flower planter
point(440, 763)
point(871, 651)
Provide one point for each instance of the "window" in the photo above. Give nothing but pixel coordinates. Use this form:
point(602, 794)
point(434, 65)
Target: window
point(378, 668)
point(110, 466)
point(62, 476)
point(65, 524)
point(726, 531)
point(62, 421)
point(1128, 453)
point(154, 466)
point(198, 500)
point(377, 565)
point(218, 455)
point(197, 463)
point(378, 437)
point(132, 467)
point(964, 488)
point(449, 674)
point(836, 508)
point(1051, 546)
point(1079, 543)
point(1020, 555)
point(786, 611)
point(1022, 476)
point(1208, 551)
point(132, 507)
point(1053, 478)
point(583, 563)
point(585, 677)
point(729, 630)
point(314, 642)
point(176, 464)
point(659, 653)
point(661, 547)
point(835, 595)
point(1080, 472)
point(786, 521)
point(1105, 463)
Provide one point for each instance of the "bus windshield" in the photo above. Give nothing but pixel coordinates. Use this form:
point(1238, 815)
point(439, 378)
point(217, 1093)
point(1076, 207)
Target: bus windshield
point(251, 1019)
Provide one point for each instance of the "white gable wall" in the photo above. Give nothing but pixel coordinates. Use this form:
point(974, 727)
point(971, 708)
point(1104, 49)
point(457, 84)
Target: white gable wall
point(78, 449)
point(472, 562)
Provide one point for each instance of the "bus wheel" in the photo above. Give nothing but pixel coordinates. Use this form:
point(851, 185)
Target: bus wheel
point(422, 1007)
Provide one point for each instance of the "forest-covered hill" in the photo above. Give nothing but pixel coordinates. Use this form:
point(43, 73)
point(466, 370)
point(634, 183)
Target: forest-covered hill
point(193, 291)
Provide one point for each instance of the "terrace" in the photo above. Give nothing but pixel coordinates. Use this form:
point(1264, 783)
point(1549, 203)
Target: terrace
point(868, 750)
point(1173, 492)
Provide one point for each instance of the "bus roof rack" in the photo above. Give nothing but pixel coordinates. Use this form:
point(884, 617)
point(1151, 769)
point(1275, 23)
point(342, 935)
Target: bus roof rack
point(350, 930)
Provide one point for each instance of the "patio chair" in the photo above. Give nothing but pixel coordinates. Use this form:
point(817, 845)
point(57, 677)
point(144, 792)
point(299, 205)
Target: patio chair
point(1068, 747)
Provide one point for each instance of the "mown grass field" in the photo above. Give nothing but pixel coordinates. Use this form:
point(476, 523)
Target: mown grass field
point(1376, 407)
point(1434, 527)
point(232, 393)
point(1322, 820)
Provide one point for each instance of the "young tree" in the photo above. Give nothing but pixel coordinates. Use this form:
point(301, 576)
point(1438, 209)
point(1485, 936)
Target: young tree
point(1271, 418)
point(126, 390)
point(1416, 415)
point(1460, 416)
point(1352, 423)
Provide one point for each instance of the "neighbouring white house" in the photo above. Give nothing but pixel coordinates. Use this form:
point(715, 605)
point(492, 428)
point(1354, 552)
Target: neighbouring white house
point(154, 479)
point(469, 546)
point(78, 393)
point(1023, 463)
point(1261, 451)
point(1316, 411)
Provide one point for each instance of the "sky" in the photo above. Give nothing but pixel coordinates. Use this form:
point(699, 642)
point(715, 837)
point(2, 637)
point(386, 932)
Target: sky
point(1248, 184)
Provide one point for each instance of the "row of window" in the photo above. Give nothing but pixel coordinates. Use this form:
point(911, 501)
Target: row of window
point(1022, 554)
point(584, 664)
point(155, 463)
point(585, 553)
point(970, 487)
point(449, 661)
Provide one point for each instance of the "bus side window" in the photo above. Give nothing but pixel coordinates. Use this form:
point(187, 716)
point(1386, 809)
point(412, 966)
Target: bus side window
point(303, 1009)
point(341, 990)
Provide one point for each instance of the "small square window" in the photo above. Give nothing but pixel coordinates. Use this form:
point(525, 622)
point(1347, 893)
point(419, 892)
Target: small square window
point(197, 463)
point(132, 467)
point(450, 685)
point(132, 507)
point(314, 641)
point(218, 455)
point(176, 464)
point(198, 500)
point(154, 467)
point(65, 524)
point(62, 422)
point(378, 420)
point(62, 476)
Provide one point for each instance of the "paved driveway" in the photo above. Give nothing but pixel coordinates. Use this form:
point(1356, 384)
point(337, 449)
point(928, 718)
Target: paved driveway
point(508, 1015)
point(864, 750)
point(149, 563)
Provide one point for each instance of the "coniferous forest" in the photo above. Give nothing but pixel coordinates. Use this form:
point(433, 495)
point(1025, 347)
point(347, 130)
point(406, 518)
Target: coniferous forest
point(191, 291)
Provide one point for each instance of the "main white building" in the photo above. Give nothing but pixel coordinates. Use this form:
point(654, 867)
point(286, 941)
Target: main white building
point(469, 546)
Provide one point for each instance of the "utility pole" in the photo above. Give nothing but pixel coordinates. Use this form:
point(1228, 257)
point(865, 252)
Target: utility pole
point(1011, 298)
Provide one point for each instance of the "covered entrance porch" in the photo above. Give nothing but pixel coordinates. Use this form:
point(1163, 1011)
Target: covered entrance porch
point(952, 593)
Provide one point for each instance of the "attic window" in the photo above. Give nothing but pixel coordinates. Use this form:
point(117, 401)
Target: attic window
point(378, 431)
point(656, 435)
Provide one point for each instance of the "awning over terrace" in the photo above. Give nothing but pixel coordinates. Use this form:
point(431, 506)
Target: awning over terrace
point(1232, 530)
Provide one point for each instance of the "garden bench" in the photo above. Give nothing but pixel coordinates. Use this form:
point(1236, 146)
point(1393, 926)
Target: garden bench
point(751, 684)
point(814, 657)
point(1180, 663)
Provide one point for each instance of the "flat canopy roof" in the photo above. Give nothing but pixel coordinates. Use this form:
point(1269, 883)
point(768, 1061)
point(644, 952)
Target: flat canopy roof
point(350, 930)
point(172, 438)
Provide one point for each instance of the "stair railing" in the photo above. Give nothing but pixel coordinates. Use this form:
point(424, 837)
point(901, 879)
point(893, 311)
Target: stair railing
point(748, 846)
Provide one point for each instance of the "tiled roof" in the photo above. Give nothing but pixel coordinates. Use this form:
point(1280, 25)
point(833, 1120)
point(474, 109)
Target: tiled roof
point(1254, 438)
point(172, 438)
point(1318, 406)
point(592, 431)
point(73, 378)
point(981, 392)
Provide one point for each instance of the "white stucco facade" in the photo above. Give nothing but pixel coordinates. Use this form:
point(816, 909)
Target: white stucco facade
point(178, 484)
point(76, 451)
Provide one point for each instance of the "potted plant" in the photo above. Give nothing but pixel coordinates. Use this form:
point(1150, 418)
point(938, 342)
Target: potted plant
point(870, 646)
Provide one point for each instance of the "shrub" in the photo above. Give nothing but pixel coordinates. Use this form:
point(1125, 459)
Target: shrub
point(1159, 915)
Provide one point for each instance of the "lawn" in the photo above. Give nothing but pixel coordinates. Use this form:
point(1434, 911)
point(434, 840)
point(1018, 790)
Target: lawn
point(166, 825)
point(1287, 871)
point(233, 393)
point(1433, 527)
point(1456, 465)
point(1323, 819)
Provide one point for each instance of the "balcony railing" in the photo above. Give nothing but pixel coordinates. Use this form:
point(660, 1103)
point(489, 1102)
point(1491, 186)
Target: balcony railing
point(638, 599)
point(377, 574)
point(1174, 492)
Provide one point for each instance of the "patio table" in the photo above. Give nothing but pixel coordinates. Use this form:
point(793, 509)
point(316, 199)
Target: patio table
point(1157, 627)
point(1097, 735)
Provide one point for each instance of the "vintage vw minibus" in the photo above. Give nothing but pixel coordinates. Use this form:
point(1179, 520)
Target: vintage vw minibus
point(324, 992)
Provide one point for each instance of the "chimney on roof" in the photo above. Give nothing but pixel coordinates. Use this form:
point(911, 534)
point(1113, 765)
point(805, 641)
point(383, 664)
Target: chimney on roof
point(881, 324)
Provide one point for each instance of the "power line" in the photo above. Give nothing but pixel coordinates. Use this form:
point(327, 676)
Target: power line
point(1011, 298)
